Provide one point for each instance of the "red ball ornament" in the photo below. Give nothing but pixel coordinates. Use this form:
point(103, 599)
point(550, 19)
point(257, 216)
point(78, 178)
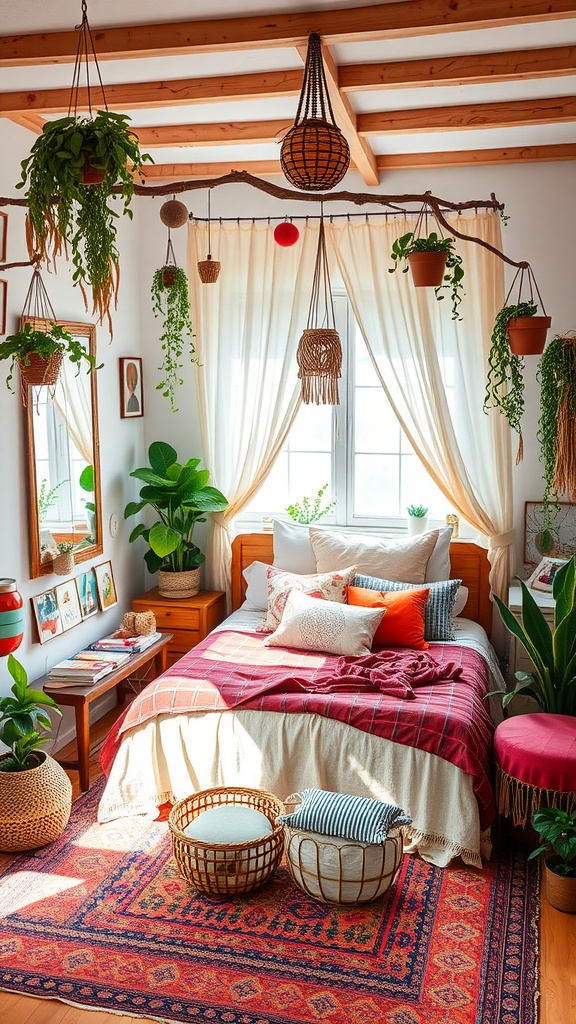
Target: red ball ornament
point(286, 233)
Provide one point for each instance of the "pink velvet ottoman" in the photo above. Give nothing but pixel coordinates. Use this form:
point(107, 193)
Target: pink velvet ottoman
point(535, 759)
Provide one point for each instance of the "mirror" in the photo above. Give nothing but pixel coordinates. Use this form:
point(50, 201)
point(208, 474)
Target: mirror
point(64, 462)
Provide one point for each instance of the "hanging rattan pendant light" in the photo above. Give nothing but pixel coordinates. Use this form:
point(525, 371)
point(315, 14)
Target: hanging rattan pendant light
point(319, 352)
point(208, 269)
point(314, 155)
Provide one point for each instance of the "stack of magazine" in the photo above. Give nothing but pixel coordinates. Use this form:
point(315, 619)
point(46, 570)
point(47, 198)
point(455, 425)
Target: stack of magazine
point(119, 642)
point(103, 656)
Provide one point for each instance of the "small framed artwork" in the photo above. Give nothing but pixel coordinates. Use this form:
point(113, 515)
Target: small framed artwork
point(68, 604)
point(47, 615)
point(3, 305)
point(87, 593)
point(555, 538)
point(105, 585)
point(3, 236)
point(131, 391)
point(543, 576)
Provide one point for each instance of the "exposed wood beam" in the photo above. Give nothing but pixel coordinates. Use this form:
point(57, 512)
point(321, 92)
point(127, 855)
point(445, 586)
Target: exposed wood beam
point(554, 110)
point(181, 172)
point(386, 20)
point(33, 122)
point(472, 69)
point(345, 117)
point(212, 134)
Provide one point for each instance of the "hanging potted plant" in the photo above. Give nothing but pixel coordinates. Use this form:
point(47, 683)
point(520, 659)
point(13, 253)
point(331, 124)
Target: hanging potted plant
point(433, 263)
point(557, 425)
point(180, 497)
point(505, 381)
point(171, 301)
point(38, 349)
point(557, 829)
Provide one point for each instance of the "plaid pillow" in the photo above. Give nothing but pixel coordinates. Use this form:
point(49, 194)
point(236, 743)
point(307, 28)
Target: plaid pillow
point(438, 610)
point(352, 817)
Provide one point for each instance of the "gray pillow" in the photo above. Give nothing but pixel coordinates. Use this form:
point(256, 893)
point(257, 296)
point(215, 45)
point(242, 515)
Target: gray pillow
point(438, 610)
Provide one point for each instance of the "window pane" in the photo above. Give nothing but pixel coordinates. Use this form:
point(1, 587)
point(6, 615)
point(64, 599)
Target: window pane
point(376, 491)
point(376, 427)
point(312, 429)
point(418, 489)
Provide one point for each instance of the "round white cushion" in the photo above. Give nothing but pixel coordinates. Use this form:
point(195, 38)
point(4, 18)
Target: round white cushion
point(229, 823)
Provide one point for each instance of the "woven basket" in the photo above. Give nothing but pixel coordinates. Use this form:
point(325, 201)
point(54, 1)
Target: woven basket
point(178, 584)
point(209, 270)
point(560, 890)
point(63, 564)
point(224, 869)
point(314, 155)
point(39, 371)
point(34, 805)
point(173, 213)
point(341, 871)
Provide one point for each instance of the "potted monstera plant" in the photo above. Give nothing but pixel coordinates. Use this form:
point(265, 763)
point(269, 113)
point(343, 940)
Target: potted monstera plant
point(179, 495)
point(74, 168)
point(434, 263)
point(35, 792)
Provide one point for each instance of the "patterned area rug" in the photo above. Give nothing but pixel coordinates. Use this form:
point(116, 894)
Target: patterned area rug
point(101, 919)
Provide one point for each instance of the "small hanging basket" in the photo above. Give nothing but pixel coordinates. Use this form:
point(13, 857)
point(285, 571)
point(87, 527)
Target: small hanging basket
point(427, 268)
point(208, 270)
point(37, 371)
point(527, 334)
point(319, 359)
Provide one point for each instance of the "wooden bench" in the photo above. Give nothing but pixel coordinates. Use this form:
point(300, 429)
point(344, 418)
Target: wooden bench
point(80, 698)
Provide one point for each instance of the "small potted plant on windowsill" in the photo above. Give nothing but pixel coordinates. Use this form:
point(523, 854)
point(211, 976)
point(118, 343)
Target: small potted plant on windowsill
point(417, 518)
point(307, 511)
point(433, 263)
point(38, 349)
point(557, 829)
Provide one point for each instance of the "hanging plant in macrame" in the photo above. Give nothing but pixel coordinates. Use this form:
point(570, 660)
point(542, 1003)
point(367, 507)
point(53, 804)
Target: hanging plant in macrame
point(170, 300)
point(319, 352)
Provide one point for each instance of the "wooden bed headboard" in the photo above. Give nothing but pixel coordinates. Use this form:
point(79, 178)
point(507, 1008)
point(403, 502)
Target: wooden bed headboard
point(468, 561)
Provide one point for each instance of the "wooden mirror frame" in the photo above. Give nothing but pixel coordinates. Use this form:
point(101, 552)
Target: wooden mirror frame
point(37, 566)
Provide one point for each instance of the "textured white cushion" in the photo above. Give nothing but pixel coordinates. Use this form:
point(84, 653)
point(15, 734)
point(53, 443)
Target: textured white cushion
point(256, 576)
point(461, 599)
point(292, 548)
point(405, 559)
point(438, 567)
point(332, 586)
point(311, 624)
point(229, 823)
point(338, 870)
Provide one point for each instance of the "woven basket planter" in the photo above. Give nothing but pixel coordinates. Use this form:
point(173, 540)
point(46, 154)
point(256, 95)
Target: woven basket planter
point(63, 563)
point(560, 890)
point(208, 270)
point(340, 871)
point(427, 268)
point(34, 805)
point(226, 869)
point(38, 371)
point(178, 584)
point(527, 334)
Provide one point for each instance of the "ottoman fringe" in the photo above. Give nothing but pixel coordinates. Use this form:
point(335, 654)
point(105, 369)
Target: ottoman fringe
point(518, 800)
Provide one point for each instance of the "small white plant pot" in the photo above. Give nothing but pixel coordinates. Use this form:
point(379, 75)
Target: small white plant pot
point(417, 524)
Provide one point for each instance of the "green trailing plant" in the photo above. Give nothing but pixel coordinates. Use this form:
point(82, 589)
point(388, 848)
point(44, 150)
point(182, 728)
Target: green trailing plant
point(505, 381)
point(557, 829)
point(64, 212)
point(25, 724)
point(47, 497)
point(45, 343)
point(173, 303)
point(556, 376)
point(408, 244)
point(180, 496)
point(308, 511)
point(552, 684)
point(418, 511)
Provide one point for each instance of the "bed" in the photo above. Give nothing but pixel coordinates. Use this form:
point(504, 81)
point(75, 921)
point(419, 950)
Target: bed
point(203, 724)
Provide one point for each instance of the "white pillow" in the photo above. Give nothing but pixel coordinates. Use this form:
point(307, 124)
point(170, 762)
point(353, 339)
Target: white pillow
point(460, 600)
point(438, 567)
point(405, 559)
point(229, 823)
point(332, 586)
point(256, 576)
point(292, 548)
point(311, 624)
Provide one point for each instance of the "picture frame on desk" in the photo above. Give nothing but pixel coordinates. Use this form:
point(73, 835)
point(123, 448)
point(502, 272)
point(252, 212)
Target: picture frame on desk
point(68, 604)
point(105, 585)
point(543, 576)
point(87, 593)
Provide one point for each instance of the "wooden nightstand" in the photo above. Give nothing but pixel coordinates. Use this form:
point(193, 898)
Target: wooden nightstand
point(518, 660)
point(189, 619)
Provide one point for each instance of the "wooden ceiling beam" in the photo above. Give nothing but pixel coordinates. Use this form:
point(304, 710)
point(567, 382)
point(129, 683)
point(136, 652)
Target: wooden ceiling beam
point(380, 21)
point(472, 69)
point(33, 122)
point(219, 133)
point(470, 116)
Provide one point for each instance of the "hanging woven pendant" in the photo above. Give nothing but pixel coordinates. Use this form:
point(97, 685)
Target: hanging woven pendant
point(319, 354)
point(314, 155)
point(208, 269)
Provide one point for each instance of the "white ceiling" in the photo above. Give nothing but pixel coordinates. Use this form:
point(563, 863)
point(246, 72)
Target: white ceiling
point(556, 130)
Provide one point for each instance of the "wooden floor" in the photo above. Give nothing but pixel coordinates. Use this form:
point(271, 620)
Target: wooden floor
point(557, 958)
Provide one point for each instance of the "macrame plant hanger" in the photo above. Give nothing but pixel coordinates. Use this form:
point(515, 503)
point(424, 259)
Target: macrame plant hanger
point(319, 352)
point(169, 268)
point(38, 312)
point(208, 269)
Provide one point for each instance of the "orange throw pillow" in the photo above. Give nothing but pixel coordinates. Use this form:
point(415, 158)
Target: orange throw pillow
point(403, 623)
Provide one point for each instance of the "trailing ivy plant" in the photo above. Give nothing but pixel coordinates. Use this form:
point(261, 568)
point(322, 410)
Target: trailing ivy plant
point(505, 382)
point(408, 244)
point(30, 340)
point(557, 425)
point(172, 302)
point(64, 212)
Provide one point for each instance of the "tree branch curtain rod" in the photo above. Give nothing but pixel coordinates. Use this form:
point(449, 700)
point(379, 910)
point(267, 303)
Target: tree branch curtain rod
point(272, 218)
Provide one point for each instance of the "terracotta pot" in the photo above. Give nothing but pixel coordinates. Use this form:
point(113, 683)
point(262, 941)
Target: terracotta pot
point(560, 890)
point(91, 175)
point(427, 268)
point(527, 334)
point(168, 276)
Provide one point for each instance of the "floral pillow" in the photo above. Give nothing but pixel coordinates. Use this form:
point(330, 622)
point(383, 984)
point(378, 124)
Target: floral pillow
point(332, 586)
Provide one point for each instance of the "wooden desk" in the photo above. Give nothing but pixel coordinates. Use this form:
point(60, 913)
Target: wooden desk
point(80, 698)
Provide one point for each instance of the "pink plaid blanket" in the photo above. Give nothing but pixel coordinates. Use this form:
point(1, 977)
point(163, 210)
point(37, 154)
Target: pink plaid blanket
point(444, 713)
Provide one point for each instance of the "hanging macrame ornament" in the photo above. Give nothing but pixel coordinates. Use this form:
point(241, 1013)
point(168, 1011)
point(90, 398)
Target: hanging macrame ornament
point(286, 234)
point(208, 269)
point(173, 213)
point(314, 155)
point(319, 352)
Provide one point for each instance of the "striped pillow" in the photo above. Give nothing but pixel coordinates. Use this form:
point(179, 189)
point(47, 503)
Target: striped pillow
point(438, 610)
point(351, 817)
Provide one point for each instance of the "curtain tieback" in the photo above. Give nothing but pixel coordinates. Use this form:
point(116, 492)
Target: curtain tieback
point(502, 540)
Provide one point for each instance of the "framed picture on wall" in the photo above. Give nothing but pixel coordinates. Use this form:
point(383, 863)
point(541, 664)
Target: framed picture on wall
point(68, 604)
point(3, 236)
point(47, 615)
point(543, 576)
point(131, 391)
point(105, 585)
point(87, 593)
point(553, 539)
point(3, 305)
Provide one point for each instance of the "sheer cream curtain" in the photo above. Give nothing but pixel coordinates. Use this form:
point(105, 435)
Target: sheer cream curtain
point(413, 343)
point(247, 328)
point(73, 399)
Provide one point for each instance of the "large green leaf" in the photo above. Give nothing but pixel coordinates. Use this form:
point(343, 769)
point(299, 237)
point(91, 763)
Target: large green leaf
point(208, 500)
point(163, 539)
point(161, 456)
point(563, 587)
point(536, 626)
point(133, 507)
point(150, 477)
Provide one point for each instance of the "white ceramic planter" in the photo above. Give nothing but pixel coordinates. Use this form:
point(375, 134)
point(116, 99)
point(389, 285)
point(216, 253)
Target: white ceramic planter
point(417, 524)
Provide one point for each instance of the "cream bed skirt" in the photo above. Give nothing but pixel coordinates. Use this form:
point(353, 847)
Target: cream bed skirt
point(172, 756)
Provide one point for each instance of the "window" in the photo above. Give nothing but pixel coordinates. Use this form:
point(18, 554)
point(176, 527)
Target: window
point(358, 448)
